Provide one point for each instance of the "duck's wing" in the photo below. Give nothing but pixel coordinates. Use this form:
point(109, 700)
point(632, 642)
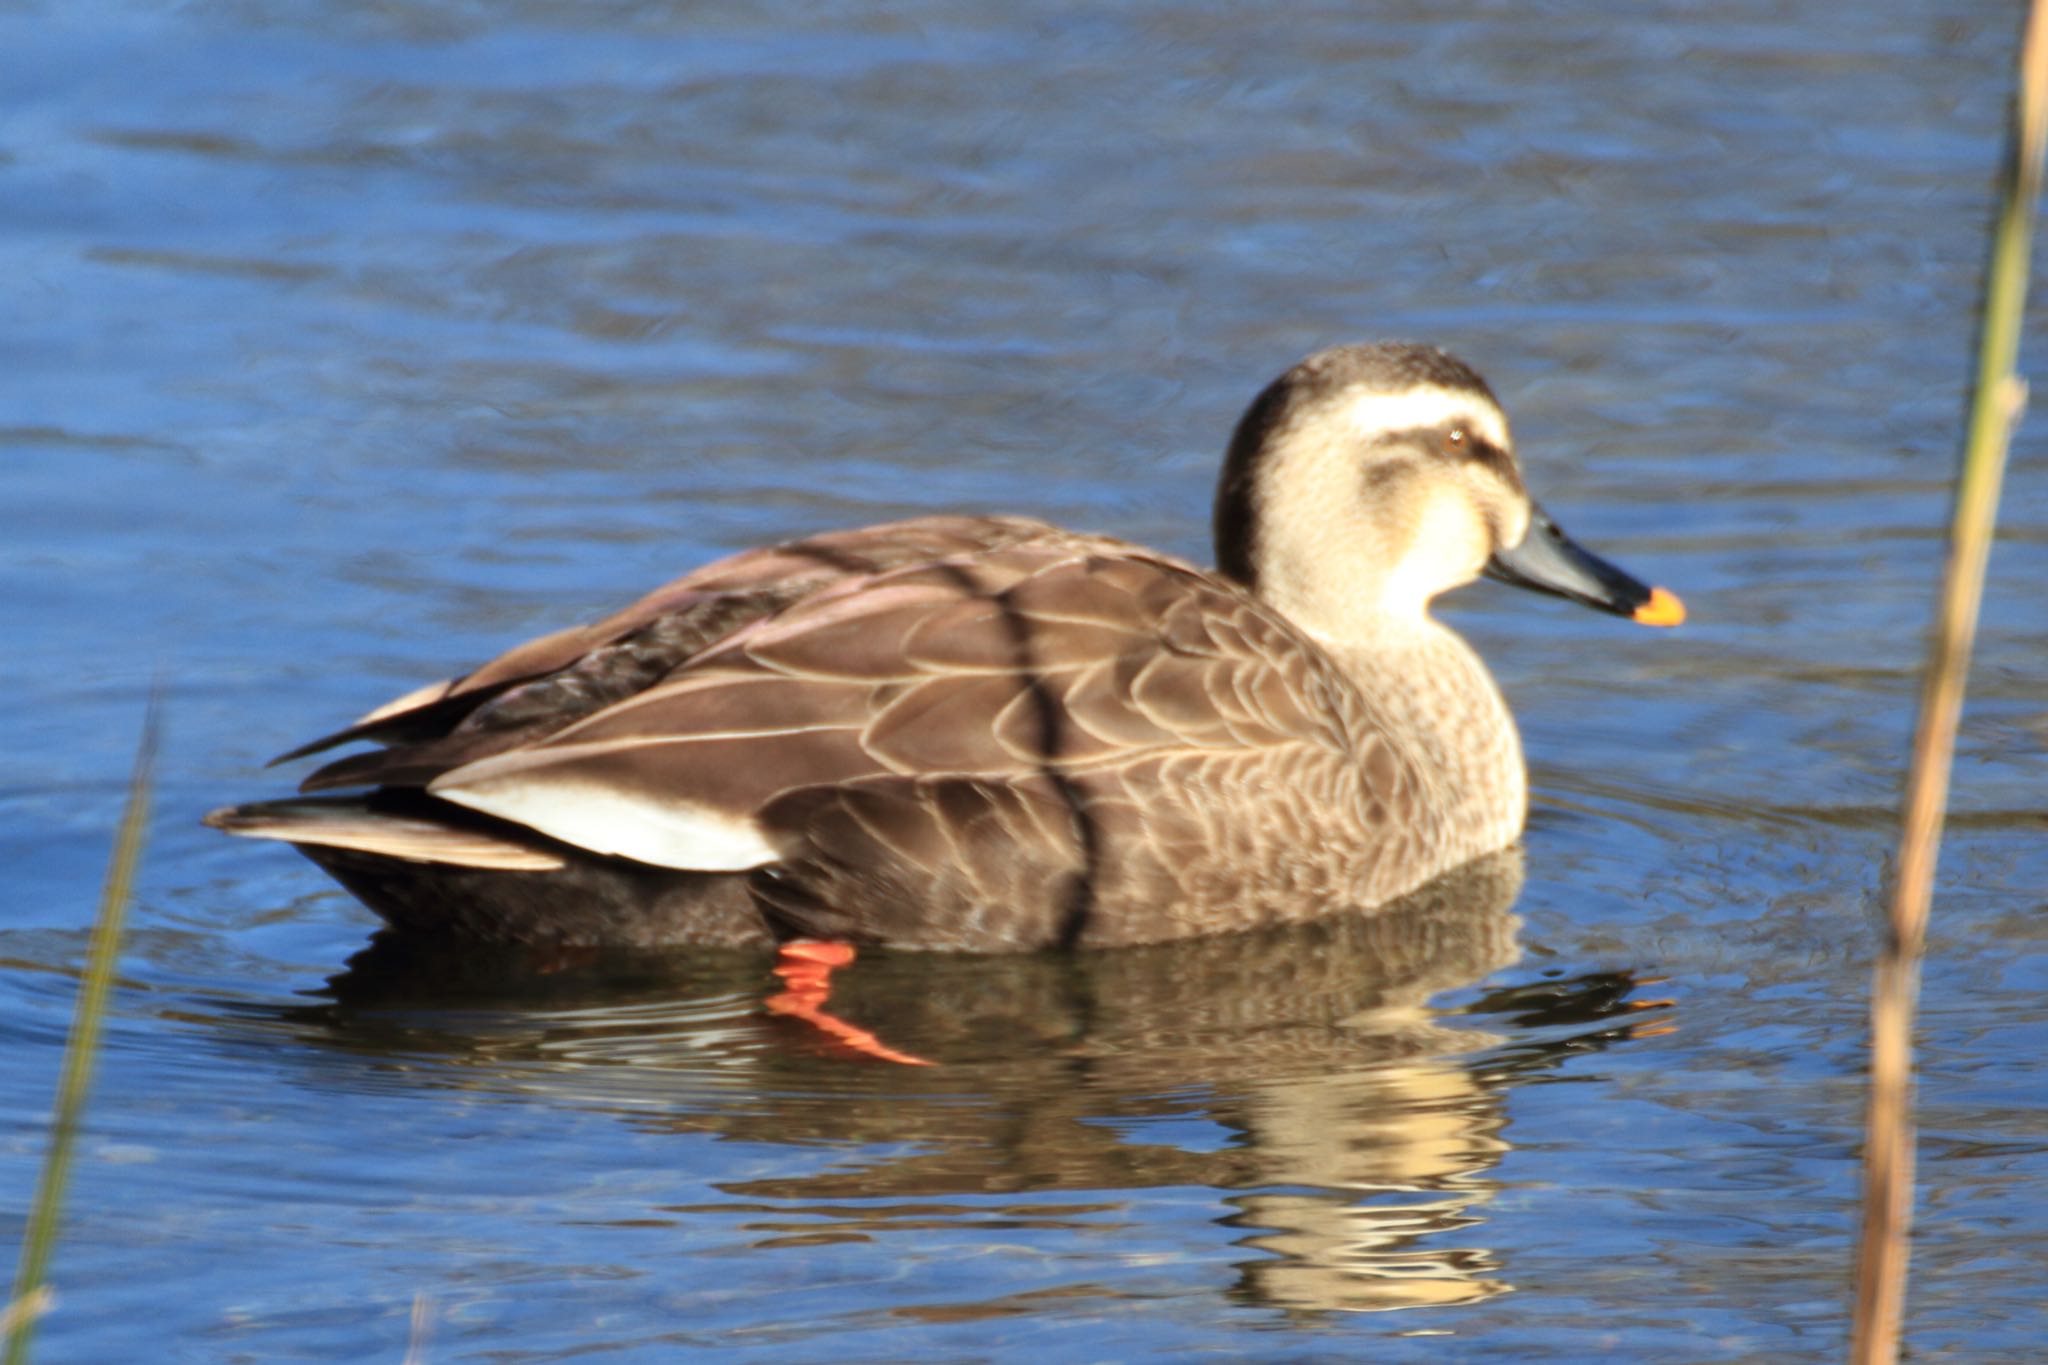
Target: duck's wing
point(560, 678)
point(1025, 667)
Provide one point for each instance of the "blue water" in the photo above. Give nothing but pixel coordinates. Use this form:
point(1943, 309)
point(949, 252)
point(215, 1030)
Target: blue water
point(345, 345)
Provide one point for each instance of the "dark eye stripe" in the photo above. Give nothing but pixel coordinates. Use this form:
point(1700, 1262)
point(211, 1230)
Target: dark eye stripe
point(1482, 451)
point(1479, 450)
point(1438, 438)
point(1474, 448)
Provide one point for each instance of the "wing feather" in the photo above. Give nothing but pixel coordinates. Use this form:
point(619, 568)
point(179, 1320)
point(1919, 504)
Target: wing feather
point(924, 692)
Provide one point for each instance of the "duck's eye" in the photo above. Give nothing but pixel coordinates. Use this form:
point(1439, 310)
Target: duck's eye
point(1456, 440)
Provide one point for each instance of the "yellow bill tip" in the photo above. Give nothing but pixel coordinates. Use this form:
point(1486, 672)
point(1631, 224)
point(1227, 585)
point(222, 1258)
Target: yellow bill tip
point(1663, 609)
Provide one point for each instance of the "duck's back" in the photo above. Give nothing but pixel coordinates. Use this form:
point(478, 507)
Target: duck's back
point(950, 733)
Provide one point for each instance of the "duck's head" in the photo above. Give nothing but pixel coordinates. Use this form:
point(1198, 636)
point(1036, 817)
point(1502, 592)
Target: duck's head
point(1368, 479)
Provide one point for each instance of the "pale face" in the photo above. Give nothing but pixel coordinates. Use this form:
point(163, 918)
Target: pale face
point(1374, 502)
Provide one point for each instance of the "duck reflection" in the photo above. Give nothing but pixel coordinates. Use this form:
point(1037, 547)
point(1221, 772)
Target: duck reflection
point(1300, 1070)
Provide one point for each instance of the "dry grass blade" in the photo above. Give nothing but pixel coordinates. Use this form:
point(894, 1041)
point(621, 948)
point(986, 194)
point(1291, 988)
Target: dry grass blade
point(1995, 407)
point(31, 1293)
point(30, 1306)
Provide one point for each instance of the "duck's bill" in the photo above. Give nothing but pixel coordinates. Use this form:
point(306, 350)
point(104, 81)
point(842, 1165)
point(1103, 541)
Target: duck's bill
point(1550, 561)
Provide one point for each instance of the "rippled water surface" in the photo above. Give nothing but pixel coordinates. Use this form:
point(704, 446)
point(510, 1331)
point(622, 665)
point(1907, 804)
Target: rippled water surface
point(345, 344)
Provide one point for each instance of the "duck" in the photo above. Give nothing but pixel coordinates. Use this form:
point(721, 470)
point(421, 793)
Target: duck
point(984, 734)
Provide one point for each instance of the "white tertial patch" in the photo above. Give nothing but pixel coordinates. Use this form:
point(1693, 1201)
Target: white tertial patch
point(626, 824)
point(1427, 405)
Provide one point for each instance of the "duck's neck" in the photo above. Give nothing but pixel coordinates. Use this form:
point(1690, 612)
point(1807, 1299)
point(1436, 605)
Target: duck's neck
point(1429, 690)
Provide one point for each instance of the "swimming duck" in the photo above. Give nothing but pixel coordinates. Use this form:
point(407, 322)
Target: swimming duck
point(990, 734)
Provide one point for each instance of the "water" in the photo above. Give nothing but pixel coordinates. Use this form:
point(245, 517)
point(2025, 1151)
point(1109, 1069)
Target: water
point(347, 344)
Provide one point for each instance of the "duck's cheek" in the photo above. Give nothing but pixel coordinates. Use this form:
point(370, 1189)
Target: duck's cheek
point(1448, 544)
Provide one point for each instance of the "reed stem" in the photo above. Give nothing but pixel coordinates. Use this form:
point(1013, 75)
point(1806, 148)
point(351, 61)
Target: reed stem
point(1995, 407)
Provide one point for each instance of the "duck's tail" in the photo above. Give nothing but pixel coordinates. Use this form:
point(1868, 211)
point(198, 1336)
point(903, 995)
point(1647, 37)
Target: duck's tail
point(370, 824)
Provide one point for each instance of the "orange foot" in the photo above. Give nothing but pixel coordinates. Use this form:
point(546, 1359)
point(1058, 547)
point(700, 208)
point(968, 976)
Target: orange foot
point(805, 966)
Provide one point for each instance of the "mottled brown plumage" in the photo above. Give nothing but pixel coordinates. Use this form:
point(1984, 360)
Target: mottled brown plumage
point(989, 734)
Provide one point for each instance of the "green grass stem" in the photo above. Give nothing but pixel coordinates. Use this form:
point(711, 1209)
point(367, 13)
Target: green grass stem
point(31, 1290)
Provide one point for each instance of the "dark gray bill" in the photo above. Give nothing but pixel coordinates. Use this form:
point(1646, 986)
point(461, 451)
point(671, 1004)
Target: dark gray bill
point(1550, 561)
